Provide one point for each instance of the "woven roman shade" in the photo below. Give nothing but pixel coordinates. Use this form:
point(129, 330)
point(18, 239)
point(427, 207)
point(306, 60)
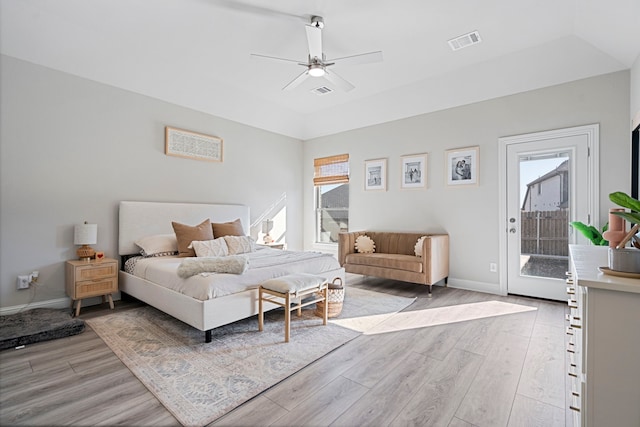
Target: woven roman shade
point(331, 170)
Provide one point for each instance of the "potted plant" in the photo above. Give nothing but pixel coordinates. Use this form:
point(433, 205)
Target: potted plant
point(590, 232)
point(621, 258)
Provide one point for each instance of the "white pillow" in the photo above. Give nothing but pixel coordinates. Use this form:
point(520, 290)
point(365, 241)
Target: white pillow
point(157, 244)
point(240, 244)
point(365, 245)
point(418, 248)
point(209, 248)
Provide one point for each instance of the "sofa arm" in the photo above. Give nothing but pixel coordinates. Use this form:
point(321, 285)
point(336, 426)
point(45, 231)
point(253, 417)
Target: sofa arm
point(346, 244)
point(435, 257)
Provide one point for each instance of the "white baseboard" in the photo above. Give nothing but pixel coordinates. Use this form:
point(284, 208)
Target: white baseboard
point(52, 303)
point(472, 285)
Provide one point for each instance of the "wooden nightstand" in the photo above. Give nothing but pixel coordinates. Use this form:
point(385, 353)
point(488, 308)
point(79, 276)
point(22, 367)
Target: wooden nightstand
point(91, 279)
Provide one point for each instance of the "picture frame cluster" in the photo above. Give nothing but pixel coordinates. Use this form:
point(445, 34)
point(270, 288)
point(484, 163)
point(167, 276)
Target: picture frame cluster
point(461, 168)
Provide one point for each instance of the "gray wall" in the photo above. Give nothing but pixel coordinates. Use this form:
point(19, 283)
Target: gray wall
point(470, 215)
point(71, 149)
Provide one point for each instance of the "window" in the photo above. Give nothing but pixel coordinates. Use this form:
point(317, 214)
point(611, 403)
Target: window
point(331, 181)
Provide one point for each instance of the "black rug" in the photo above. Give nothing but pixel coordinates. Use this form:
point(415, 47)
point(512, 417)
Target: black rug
point(38, 324)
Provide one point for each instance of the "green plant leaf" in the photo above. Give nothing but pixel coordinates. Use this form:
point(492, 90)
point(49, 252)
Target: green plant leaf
point(629, 216)
point(590, 232)
point(624, 200)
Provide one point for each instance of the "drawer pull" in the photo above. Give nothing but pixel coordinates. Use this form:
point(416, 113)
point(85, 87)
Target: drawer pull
point(571, 290)
point(575, 326)
point(569, 281)
point(573, 408)
point(569, 330)
point(572, 303)
point(571, 348)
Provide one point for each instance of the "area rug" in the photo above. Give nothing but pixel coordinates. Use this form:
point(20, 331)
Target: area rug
point(199, 382)
point(35, 325)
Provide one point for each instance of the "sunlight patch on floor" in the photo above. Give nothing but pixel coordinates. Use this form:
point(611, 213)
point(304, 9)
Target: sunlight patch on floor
point(362, 323)
point(444, 315)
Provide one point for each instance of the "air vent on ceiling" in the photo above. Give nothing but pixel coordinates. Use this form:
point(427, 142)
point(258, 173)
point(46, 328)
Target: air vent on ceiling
point(465, 40)
point(322, 90)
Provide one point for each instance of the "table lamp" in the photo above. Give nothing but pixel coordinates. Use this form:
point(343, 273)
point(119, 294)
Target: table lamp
point(266, 227)
point(85, 235)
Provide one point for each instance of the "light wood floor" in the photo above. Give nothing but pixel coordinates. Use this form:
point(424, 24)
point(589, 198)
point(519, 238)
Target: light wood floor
point(497, 371)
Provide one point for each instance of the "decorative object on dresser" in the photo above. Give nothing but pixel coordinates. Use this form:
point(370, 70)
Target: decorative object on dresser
point(624, 259)
point(395, 256)
point(85, 234)
point(85, 279)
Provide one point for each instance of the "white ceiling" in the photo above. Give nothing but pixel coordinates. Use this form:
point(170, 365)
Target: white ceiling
point(195, 53)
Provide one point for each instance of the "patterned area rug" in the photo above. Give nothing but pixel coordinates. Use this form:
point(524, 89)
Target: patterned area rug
point(199, 382)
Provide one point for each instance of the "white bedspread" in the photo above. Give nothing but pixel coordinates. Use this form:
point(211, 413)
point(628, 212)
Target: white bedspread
point(265, 263)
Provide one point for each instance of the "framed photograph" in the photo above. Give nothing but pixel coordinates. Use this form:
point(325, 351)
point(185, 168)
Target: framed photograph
point(414, 171)
point(192, 145)
point(462, 166)
point(375, 174)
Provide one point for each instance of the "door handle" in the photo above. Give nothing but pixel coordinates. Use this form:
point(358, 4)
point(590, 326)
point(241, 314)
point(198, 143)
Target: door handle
point(512, 230)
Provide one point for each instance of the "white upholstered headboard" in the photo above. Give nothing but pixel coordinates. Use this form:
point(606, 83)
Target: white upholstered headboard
point(139, 219)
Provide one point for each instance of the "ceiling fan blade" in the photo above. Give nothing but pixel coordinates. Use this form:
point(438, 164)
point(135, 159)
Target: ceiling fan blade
point(296, 82)
point(338, 81)
point(274, 58)
point(362, 58)
point(314, 38)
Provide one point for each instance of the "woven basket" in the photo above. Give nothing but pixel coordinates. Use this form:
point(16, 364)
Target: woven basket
point(335, 299)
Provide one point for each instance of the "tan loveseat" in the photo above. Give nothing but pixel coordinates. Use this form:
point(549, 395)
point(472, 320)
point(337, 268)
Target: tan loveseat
point(394, 256)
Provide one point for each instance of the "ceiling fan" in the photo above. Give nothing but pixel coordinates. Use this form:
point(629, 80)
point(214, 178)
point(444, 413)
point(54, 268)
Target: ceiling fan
point(317, 64)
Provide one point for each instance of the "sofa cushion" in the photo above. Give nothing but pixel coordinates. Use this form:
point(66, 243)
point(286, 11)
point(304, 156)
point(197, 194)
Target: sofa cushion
point(365, 245)
point(394, 261)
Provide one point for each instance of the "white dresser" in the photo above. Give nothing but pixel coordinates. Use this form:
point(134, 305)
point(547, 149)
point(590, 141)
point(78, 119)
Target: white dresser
point(604, 342)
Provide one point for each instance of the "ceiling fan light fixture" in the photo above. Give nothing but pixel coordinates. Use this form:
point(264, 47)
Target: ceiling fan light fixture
point(316, 70)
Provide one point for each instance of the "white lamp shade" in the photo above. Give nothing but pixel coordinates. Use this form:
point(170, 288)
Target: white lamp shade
point(85, 234)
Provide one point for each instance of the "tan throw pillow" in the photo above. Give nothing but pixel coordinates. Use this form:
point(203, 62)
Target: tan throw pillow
point(188, 233)
point(232, 228)
point(365, 245)
point(240, 244)
point(418, 247)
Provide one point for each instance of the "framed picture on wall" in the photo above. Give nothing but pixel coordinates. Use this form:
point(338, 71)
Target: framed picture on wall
point(462, 166)
point(192, 145)
point(375, 174)
point(414, 171)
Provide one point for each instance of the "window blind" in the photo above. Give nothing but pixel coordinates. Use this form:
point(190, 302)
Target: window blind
point(331, 170)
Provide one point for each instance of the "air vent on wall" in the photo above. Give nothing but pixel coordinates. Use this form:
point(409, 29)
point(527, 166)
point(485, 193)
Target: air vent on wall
point(322, 90)
point(465, 40)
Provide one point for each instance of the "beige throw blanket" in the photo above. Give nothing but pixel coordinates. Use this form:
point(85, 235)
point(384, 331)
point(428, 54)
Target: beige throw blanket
point(232, 264)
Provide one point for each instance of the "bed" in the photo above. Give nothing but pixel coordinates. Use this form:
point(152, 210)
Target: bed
point(141, 219)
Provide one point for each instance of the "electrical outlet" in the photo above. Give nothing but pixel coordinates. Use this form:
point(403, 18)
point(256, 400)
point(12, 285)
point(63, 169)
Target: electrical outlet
point(23, 282)
point(493, 267)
